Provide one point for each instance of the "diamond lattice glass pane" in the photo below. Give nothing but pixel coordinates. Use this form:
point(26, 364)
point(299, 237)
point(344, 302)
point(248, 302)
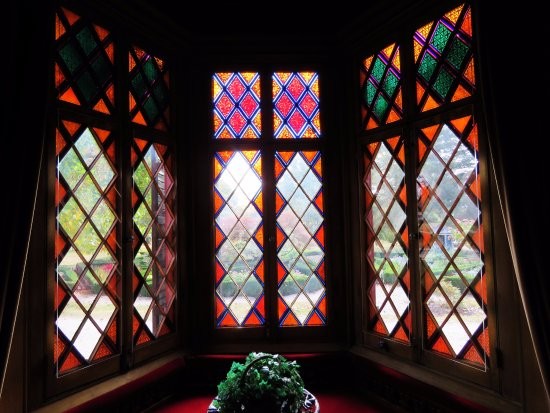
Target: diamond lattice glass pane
point(154, 233)
point(226, 220)
point(381, 84)
point(452, 250)
point(149, 94)
point(386, 228)
point(446, 43)
point(436, 260)
point(68, 268)
point(87, 339)
point(103, 311)
point(71, 169)
point(455, 334)
point(438, 306)
point(238, 248)
point(299, 219)
point(287, 220)
point(84, 63)
point(71, 217)
point(236, 105)
point(102, 172)
point(471, 313)
point(240, 307)
point(70, 318)
point(296, 105)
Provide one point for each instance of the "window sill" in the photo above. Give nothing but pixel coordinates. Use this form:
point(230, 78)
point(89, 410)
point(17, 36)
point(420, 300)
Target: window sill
point(484, 397)
point(100, 395)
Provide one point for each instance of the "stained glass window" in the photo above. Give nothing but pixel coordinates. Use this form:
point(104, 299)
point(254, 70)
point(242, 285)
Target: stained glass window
point(387, 238)
point(381, 99)
point(236, 98)
point(451, 248)
point(300, 239)
point(296, 105)
point(154, 241)
point(87, 253)
point(296, 202)
point(149, 89)
point(96, 196)
point(438, 223)
point(84, 56)
point(238, 201)
point(443, 53)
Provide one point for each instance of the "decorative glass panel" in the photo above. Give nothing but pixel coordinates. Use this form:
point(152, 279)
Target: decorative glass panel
point(238, 206)
point(87, 253)
point(381, 97)
point(296, 105)
point(451, 241)
point(236, 99)
point(387, 239)
point(300, 239)
point(444, 59)
point(149, 90)
point(83, 63)
point(154, 241)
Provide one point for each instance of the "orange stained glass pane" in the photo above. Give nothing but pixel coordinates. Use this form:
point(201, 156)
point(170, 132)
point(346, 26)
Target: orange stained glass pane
point(70, 97)
point(467, 23)
point(461, 123)
point(71, 17)
point(454, 14)
point(59, 28)
point(473, 356)
point(441, 347)
point(70, 363)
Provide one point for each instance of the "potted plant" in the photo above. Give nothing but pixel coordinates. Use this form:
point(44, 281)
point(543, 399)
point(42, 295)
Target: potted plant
point(264, 383)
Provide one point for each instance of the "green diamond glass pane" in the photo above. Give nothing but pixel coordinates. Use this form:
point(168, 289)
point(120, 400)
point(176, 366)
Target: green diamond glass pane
point(380, 107)
point(151, 109)
point(440, 37)
point(87, 86)
point(86, 40)
point(102, 69)
point(457, 53)
point(138, 84)
point(390, 83)
point(443, 83)
point(370, 91)
point(378, 69)
point(427, 67)
point(71, 57)
point(150, 70)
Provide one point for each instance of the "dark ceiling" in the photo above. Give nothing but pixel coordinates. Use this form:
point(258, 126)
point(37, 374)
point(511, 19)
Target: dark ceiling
point(264, 18)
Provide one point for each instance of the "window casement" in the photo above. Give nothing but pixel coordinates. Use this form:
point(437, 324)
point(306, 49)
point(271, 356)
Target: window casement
point(268, 214)
point(424, 198)
point(111, 256)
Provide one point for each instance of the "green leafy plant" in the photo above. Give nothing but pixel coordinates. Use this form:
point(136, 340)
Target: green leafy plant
point(264, 383)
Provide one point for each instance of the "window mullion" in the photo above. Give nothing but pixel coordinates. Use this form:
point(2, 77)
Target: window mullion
point(268, 188)
point(409, 111)
point(125, 133)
